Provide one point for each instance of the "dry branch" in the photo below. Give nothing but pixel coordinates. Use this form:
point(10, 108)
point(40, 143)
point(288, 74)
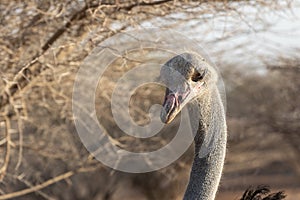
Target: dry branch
point(8, 143)
point(47, 183)
point(28, 184)
point(29, 70)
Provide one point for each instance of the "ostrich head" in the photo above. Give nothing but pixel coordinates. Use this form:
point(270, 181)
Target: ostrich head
point(186, 76)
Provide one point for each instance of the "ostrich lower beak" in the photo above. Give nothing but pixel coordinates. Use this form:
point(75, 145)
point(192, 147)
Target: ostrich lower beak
point(174, 101)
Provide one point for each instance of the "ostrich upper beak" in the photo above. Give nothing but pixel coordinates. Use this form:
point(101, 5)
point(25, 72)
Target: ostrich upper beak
point(173, 103)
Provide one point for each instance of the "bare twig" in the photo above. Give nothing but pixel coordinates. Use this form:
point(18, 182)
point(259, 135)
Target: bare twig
point(28, 184)
point(8, 143)
point(47, 183)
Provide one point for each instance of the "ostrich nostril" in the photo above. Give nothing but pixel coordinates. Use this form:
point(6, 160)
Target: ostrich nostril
point(180, 98)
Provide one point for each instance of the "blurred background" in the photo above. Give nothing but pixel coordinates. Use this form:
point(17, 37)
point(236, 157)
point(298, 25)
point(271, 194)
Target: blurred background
point(255, 45)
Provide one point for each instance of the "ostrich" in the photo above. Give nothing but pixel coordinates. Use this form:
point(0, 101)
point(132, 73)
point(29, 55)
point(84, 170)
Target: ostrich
point(191, 80)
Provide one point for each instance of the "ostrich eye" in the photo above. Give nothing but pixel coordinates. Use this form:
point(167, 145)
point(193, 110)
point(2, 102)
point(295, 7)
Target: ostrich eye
point(197, 76)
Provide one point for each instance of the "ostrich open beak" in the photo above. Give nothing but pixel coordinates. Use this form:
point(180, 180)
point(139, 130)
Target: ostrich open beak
point(173, 103)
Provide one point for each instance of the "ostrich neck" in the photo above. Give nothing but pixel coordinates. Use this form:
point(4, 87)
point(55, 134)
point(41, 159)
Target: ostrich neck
point(210, 146)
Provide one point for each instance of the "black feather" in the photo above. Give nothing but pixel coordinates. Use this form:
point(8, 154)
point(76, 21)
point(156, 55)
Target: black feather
point(262, 193)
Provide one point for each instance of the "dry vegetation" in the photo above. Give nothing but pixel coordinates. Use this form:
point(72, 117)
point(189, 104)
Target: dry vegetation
point(42, 46)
